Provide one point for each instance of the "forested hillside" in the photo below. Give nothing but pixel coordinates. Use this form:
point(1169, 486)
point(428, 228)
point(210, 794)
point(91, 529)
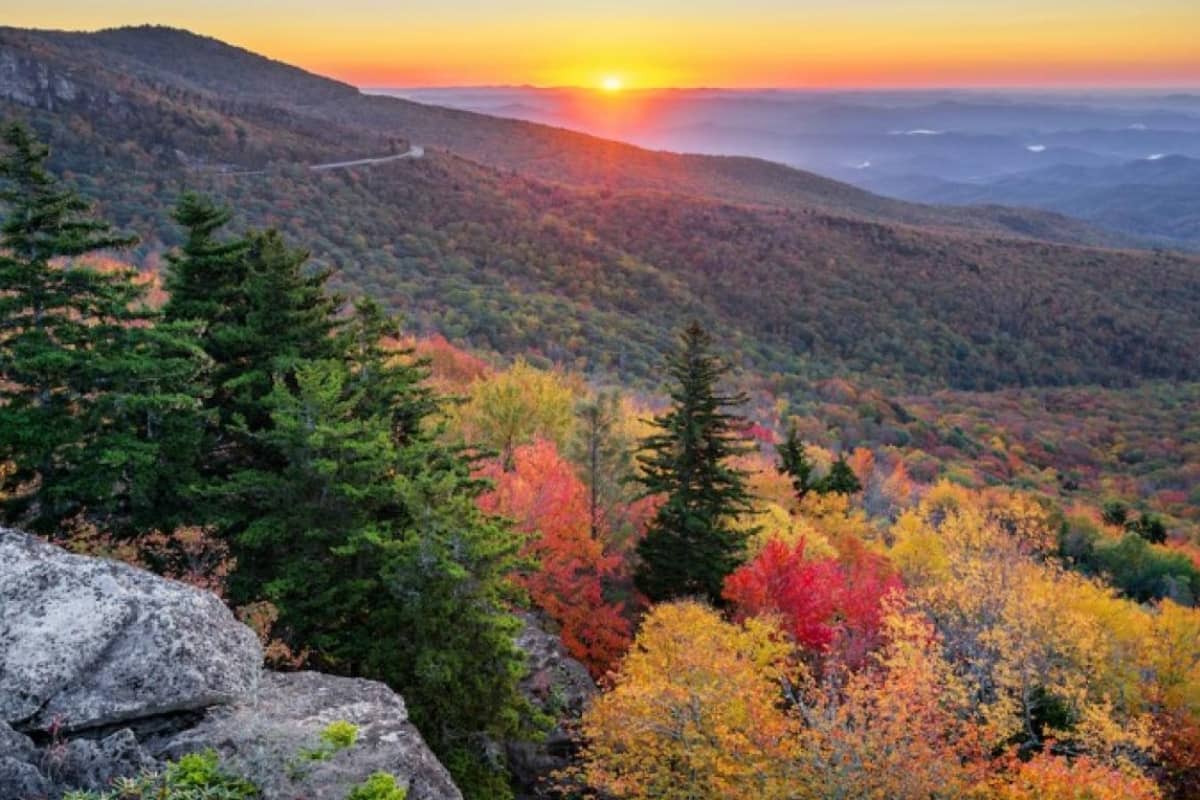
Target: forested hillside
point(515, 237)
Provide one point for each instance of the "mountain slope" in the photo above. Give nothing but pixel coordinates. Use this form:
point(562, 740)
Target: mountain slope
point(168, 55)
point(580, 268)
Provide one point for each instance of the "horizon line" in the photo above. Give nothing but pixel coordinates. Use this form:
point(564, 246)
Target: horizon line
point(1170, 88)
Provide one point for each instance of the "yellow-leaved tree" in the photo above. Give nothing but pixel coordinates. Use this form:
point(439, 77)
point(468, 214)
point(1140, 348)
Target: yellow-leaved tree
point(517, 406)
point(694, 712)
point(900, 729)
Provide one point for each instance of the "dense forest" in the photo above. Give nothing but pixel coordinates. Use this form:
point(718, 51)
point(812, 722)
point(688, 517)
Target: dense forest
point(770, 609)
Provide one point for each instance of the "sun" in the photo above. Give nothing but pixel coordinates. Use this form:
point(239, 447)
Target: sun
point(611, 83)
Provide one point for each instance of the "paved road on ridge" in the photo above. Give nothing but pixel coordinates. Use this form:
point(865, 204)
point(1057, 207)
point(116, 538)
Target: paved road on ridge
point(416, 151)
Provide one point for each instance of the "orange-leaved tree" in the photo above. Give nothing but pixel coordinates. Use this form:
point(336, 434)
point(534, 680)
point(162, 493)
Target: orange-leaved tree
point(900, 729)
point(1050, 777)
point(543, 496)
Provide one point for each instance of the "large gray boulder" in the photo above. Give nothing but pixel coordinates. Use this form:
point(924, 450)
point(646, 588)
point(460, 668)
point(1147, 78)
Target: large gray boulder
point(264, 739)
point(563, 689)
point(19, 777)
point(89, 642)
point(114, 671)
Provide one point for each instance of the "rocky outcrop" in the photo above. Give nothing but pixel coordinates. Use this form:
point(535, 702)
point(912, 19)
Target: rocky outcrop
point(88, 642)
point(285, 720)
point(562, 688)
point(107, 671)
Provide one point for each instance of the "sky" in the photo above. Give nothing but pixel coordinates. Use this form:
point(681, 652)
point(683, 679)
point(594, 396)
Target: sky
point(687, 43)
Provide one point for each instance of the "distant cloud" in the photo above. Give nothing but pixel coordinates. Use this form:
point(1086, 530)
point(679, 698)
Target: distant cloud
point(916, 132)
point(1036, 148)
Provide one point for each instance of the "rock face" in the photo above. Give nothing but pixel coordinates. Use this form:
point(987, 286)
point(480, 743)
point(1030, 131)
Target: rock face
point(285, 719)
point(562, 688)
point(113, 670)
point(87, 642)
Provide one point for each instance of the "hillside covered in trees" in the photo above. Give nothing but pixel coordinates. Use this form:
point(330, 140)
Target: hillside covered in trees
point(519, 238)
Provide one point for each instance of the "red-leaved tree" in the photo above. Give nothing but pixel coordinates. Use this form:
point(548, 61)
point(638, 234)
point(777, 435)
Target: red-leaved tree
point(830, 606)
point(547, 501)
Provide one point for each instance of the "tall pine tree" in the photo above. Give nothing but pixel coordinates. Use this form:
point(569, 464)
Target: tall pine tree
point(691, 544)
point(99, 416)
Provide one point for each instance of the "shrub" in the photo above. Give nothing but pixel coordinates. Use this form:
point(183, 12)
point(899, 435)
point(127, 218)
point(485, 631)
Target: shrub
point(340, 734)
point(197, 776)
point(380, 786)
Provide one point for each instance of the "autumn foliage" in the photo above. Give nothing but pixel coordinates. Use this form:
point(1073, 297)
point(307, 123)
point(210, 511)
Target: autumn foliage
point(1048, 777)
point(694, 712)
point(549, 503)
point(824, 604)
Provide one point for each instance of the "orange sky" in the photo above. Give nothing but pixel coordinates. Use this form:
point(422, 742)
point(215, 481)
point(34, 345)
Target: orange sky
point(656, 43)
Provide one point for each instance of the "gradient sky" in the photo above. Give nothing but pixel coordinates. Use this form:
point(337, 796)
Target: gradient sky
point(655, 43)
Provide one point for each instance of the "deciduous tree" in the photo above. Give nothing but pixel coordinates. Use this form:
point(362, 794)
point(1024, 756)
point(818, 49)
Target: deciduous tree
point(694, 712)
point(550, 505)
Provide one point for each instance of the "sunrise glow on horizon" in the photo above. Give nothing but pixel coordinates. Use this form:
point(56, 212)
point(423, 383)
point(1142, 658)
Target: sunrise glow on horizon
point(670, 43)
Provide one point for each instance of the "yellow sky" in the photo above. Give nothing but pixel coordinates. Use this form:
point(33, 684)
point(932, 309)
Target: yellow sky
point(699, 43)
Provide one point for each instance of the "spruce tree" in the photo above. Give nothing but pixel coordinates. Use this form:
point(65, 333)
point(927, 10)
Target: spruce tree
point(841, 479)
point(98, 417)
point(793, 462)
point(367, 538)
point(260, 314)
point(692, 545)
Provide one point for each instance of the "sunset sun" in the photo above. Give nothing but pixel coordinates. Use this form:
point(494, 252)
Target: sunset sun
point(611, 83)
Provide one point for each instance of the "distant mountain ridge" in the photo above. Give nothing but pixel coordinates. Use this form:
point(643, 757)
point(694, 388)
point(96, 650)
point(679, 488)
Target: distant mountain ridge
point(1157, 196)
point(522, 238)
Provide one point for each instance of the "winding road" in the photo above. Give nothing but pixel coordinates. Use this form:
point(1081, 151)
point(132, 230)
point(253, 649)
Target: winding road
point(416, 151)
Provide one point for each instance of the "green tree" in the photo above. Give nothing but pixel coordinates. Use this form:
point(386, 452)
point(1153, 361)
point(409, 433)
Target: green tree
point(691, 544)
point(98, 404)
point(1115, 513)
point(259, 313)
point(516, 406)
point(794, 462)
point(840, 480)
point(368, 540)
point(1150, 527)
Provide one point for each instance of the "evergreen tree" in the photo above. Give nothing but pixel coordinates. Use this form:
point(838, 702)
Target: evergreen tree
point(841, 479)
point(1150, 527)
point(98, 417)
point(368, 540)
point(260, 314)
point(794, 462)
point(691, 545)
point(1115, 513)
